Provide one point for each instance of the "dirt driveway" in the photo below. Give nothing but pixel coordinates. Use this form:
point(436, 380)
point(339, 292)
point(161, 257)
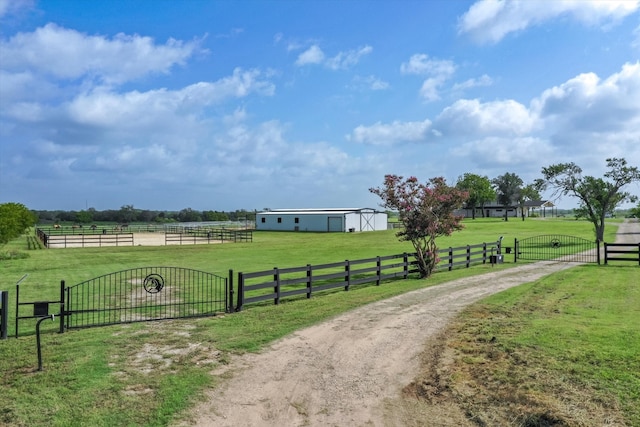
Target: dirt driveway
point(345, 371)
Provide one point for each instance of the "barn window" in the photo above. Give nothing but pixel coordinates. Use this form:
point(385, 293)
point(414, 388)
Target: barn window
point(279, 220)
point(263, 219)
point(296, 220)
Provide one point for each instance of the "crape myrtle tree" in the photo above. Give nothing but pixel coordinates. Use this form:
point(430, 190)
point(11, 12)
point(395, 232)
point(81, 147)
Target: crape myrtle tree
point(598, 197)
point(479, 189)
point(508, 188)
point(426, 211)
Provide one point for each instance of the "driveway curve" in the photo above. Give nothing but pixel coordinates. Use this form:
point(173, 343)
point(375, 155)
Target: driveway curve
point(341, 371)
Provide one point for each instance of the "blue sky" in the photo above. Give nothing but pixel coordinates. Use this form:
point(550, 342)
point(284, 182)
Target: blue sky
point(224, 105)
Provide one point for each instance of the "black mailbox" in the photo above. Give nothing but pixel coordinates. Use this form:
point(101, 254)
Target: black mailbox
point(41, 308)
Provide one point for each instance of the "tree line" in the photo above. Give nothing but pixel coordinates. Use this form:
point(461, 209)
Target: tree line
point(128, 214)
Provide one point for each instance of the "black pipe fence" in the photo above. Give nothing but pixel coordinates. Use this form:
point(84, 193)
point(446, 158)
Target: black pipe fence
point(624, 249)
point(4, 314)
point(278, 283)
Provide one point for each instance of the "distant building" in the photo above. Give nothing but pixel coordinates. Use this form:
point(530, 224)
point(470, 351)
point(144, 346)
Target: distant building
point(325, 220)
point(493, 209)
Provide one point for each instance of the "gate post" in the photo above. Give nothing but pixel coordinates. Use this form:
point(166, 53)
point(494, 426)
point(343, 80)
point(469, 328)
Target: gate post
point(240, 302)
point(62, 306)
point(229, 302)
point(4, 314)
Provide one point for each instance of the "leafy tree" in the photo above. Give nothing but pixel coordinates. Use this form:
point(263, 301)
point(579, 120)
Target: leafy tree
point(598, 197)
point(635, 212)
point(189, 215)
point(507, 188)
point(527, 193)
point(426, 211)
point(15, 218)
point(126, 214)
point(84, 217)
point(479, 189)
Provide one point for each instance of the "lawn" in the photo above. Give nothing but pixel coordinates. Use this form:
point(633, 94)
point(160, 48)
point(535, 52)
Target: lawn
point(147, 373)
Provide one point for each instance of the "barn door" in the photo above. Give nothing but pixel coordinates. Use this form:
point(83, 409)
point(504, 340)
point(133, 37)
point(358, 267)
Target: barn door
point(334, 224)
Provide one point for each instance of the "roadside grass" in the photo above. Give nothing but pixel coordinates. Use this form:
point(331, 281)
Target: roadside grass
point(146, 374)
point(559, 351)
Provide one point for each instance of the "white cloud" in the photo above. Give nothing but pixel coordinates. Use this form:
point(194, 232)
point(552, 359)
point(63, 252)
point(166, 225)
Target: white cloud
point(437, 70)
point(313, 55)
point(348, 59)
point(393, 133)
point(343, 60)
point(588, 104)
point(8, 7)
point(471, 117)
point(106, 108)
point(369, 83)
point(69, 54)
point(483, 80)
point(488, 21)
point(421, 64)
point(511, 153)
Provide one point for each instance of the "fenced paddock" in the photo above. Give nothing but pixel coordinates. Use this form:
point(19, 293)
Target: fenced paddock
point(206, 236)
point(171, 236)
point(88, 240)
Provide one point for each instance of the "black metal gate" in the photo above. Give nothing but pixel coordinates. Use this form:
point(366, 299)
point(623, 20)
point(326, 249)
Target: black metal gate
point(558, 247)
point(143, 294)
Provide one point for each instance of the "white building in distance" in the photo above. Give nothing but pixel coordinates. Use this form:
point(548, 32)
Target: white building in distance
point(325, 220)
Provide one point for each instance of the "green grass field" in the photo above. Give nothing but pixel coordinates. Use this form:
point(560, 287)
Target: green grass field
point(147, 373)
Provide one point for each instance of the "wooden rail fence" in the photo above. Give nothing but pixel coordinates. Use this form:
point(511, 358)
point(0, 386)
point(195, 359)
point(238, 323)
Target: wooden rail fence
point(618, 249)
point(278, 283)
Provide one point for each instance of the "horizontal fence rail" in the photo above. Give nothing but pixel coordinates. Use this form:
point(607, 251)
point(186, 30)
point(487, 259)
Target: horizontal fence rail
point(625, 249)
point(278, 283)
point(195, 236)
point(86, 240)
point(307, 280)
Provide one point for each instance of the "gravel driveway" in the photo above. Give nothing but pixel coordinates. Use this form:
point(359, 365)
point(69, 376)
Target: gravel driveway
point(342, 371)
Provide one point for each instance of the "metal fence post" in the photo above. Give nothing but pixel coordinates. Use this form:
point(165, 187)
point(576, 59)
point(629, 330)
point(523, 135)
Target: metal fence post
point(62, 305)
point(229, 303)
point(4, 314)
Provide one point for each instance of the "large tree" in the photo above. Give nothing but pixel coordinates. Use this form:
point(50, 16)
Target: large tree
point(15, 218)
point(598, 197)
point(527, 193)
point(508, 188)
point(425, 211)
point(479, 189)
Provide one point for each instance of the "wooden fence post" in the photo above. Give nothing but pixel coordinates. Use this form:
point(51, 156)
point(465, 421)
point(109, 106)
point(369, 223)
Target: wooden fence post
point(347, 277)
point(240, 292)
point(276, 288)
point(309, 281)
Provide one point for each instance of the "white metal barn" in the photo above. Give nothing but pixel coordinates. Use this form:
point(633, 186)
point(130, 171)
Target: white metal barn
point(327, 220)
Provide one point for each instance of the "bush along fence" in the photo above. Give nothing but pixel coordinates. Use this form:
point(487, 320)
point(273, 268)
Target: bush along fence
point(278, 283)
